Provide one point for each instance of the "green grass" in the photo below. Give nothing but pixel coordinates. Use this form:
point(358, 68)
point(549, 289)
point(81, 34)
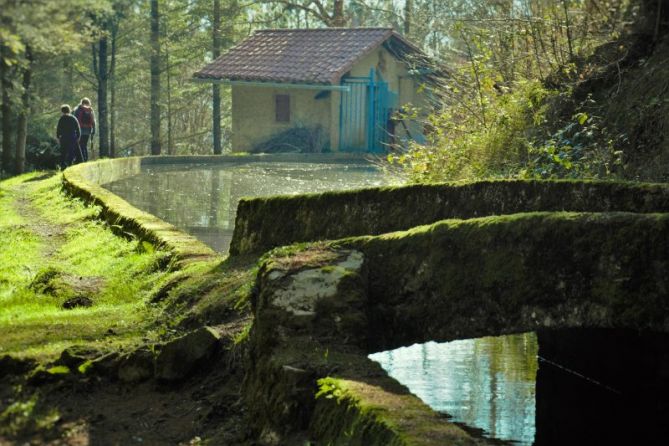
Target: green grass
point(41, 229)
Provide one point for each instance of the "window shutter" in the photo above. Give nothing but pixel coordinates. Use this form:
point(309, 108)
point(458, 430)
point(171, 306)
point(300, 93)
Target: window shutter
point(282, 108)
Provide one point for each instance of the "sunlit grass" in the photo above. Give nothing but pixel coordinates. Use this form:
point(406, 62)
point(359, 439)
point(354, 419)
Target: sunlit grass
point(43, 331)
point(80, 247)
point(19, 248)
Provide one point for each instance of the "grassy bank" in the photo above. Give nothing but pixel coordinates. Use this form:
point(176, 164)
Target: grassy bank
point(70, 278)
point(56, 254)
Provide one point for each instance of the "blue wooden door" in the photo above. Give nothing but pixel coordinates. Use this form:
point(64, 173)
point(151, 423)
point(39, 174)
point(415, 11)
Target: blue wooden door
point(366, 107)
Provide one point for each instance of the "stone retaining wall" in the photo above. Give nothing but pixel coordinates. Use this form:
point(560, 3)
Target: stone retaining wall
point(320, 309)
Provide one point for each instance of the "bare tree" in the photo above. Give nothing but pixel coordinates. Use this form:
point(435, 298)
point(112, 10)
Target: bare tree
point(101, 70)
point(6, 112)
point(319, 9)
point(112, 91)
point(408, 16)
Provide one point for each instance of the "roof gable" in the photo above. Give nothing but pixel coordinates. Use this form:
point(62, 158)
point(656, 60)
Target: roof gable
point(315, 56)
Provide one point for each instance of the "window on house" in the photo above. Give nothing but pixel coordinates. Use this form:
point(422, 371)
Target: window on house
point(282, 108)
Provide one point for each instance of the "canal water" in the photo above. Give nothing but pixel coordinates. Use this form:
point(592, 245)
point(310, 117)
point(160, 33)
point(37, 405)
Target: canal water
point(486, 383)
point(202, 199)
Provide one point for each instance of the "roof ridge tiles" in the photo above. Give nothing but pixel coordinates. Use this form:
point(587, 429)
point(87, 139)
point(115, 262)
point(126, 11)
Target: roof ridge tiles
point(366, 28)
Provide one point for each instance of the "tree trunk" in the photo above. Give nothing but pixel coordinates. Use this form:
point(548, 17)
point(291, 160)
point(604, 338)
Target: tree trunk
point(216, 89)
point(338, 14)
point(408, 16)
point(155, 78)
point(103, 77)
point(22, 126)
point(567, 22)
point(68, 80)
point(6, 115)
point(112, 91)
point(170, 139)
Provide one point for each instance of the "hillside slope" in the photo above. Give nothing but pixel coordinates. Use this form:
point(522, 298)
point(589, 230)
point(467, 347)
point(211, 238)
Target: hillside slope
point(624, 88)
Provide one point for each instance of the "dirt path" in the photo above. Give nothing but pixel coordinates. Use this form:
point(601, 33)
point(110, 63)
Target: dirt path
point(52, 235)
point(100, 412)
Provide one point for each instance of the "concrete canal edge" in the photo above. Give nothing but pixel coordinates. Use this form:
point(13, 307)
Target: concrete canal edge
point(321, 307)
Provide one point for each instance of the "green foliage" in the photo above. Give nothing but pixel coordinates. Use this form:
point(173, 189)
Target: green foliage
point(492, 104)
point(574, 151)
point(58, 370)
point(485, 136)
point(27, 415)
point(85, 367)
point(243, 335)
point(329, 388)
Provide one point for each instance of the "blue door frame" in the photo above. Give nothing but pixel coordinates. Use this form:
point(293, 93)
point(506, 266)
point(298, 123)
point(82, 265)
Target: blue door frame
point(366, 107)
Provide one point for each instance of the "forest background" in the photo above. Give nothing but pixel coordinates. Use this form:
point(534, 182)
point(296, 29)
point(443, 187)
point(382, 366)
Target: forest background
point(526, 88)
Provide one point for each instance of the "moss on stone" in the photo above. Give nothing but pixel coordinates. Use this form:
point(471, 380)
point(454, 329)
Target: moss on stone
point(357, 412)
point(452, 279)
point(334, 215)
point(464, 260)
point(468, 278)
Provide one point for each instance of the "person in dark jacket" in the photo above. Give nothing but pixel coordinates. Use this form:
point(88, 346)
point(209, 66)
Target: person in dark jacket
point(68, 134)
point(84, 114)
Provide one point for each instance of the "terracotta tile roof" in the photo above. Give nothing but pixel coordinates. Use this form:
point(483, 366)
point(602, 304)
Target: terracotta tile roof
point(317, 56)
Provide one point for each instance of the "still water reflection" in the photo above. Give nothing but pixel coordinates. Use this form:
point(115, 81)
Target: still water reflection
point(486, 383)
point(202, 199)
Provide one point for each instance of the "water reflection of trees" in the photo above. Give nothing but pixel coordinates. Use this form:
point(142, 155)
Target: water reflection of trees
point(507, 379)
point(203, 200)
point(488, 383)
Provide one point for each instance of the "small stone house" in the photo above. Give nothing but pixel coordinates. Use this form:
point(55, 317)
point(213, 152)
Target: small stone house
point(317, 90)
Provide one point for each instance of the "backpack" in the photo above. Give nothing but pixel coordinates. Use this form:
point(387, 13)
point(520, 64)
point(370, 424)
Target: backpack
point(85, 117)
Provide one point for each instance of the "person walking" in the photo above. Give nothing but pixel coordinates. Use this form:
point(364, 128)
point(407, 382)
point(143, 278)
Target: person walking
point(86, 117)
point(68, 134)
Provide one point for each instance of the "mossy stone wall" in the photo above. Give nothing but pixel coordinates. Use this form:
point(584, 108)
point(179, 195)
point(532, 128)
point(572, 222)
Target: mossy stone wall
point(453, 279)
point(510, 274)
point(264, 223)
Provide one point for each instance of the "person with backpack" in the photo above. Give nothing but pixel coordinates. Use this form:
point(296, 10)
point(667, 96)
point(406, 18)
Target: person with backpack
point(68, 134)
point(86, 117)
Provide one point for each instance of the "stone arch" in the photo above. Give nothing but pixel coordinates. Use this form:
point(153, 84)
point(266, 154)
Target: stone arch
point(321, 309)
